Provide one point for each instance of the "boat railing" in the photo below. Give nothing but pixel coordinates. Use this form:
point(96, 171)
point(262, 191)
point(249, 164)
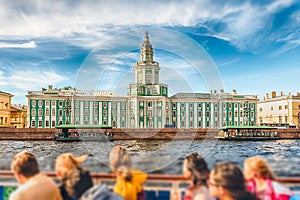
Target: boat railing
point(156, 186)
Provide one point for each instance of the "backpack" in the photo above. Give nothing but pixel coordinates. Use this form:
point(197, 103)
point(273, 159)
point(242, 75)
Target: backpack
point(100, 192)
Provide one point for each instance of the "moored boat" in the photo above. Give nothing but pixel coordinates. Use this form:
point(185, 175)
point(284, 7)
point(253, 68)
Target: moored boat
point(248, 133)
point(77, 133)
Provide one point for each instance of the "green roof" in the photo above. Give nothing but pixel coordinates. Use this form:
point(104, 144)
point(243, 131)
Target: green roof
point(247, 127)
point(88, 126)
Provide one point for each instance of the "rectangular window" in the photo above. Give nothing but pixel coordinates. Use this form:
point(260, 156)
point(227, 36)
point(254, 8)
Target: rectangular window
point(33, 103)
point(86, 104)
point(47, 123)
point(33, 123)
point(53, 103)
point(114, 113)
point(260, 109)
point(47, 112)
point(60, 113)
point(123, 113)
point(96, 104)
point(53, 112)
point(207, 114)
point(60, 103)
point(122, 124)
point(191, 113)
point(40, 112)
point(33, 112)
point(104, 113)
point(76, 104)
point(286, 107)
point(104, 104)
point(279, 107)
point(86, 113)
point(40, 123)
point(95, 113)
point(53, 123)
point(47, 103)
point(76, 113)
point(40, 103)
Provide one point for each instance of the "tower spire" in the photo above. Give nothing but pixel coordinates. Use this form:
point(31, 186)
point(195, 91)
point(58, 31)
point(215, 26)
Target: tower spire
point(147, 50)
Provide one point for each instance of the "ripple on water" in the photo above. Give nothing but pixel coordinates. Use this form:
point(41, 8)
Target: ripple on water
point(283, 156)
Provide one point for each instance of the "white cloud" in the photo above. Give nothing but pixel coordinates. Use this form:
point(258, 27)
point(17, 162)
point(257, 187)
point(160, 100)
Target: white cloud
point(245, 24)
point(30, 79)
point(27, 45)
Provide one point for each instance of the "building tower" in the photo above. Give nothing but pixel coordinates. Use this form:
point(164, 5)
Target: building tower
point(147, 97)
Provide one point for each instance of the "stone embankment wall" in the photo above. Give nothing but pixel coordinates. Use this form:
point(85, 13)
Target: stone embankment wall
point(127, 134)
point(27, 134)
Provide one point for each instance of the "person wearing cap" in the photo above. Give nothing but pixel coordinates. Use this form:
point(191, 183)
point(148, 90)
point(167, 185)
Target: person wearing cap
point(33, 185)
point(130, 181)
point(75, 180)
point(195, 168)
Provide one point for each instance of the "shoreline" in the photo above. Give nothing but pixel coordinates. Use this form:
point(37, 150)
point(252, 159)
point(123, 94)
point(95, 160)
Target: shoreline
point(132, 134)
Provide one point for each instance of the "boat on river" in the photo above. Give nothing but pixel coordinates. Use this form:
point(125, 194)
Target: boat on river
point(78, 133)
point(248, 133)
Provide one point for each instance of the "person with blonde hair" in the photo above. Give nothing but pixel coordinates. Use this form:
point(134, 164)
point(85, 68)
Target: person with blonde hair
point(75, 180)
point(33, 185)
point(129, 181)
point(226, 182)
point(261, 181)
point(195, 168)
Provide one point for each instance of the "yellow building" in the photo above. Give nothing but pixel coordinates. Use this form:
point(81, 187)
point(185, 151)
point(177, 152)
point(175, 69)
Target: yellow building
point(5, 101)
point(279, 109)
point(18, 116)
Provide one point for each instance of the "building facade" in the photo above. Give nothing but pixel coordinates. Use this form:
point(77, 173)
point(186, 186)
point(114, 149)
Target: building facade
point(18, 116)
point(147, 104)
point(5, 101)
point(279, 109)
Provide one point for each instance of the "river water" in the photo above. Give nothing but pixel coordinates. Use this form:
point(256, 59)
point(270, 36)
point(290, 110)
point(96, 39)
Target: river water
point(161, 156)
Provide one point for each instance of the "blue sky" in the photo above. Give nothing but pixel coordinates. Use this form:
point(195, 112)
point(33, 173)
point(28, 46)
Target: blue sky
point(251, 46)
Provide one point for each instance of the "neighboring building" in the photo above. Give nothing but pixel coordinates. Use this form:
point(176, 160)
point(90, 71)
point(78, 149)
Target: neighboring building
point(18, 116)
point(5, 101)
point(146, 106)
point(279, 110)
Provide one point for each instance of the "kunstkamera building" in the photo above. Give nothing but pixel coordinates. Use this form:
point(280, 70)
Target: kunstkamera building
point(147, 104)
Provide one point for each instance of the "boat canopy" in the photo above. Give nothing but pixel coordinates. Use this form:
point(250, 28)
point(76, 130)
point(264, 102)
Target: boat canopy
point(247, 127)
point(88, 126)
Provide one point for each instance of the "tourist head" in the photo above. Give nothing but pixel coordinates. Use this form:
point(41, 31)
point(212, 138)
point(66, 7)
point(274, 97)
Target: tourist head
point(119, 156)
point(195, 168)
point(227, 180)
point(24, 165)
point(256, 167)
point(66, 162)
point(120, 162)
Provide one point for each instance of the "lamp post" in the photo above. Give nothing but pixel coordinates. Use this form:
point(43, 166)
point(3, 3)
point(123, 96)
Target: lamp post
point(67, 110)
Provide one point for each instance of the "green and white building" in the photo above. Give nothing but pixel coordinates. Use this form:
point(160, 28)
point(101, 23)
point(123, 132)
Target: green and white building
point(146, 106)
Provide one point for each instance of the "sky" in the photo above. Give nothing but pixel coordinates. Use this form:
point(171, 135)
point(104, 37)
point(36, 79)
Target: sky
point(249, 46)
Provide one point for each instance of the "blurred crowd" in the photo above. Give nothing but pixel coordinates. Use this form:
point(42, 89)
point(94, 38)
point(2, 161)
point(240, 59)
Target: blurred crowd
point(225, 181)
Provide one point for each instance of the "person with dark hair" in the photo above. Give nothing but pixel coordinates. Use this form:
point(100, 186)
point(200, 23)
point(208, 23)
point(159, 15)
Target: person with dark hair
point(261, 181)
point(195, 168)
point(75, 180)
point(129, 181)
point(33, 185)
point(226, 182)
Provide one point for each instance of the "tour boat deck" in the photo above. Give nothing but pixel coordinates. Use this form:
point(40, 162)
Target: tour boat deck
point(157, 186)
